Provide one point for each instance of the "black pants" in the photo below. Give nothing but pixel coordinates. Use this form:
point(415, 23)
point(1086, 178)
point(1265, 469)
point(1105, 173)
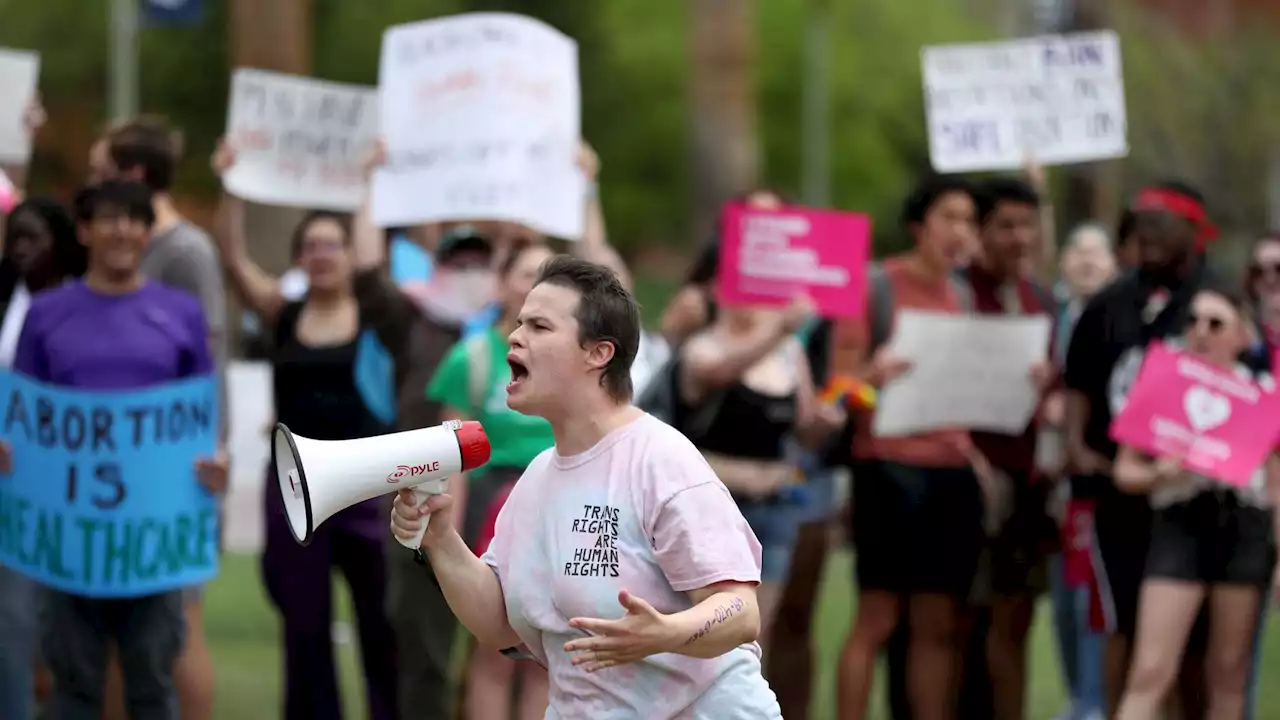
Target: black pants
point(77, 632)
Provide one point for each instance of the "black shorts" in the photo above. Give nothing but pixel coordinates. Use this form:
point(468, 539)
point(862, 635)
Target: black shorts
point(1122, 527)
point(1213, 539)
point(916, 529)
point(1019, 553)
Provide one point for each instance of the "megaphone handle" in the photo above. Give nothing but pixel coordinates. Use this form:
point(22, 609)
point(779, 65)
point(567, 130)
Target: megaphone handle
point(415, 544)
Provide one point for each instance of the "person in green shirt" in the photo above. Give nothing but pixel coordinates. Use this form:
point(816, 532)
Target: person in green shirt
point(471, 384)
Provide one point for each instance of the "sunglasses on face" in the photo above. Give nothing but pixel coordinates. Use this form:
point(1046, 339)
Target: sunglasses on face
point(1214, 324)
point(1270, 269)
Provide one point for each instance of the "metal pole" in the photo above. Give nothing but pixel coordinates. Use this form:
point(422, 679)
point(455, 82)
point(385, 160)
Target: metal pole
point(123, 60)
point(815, 121)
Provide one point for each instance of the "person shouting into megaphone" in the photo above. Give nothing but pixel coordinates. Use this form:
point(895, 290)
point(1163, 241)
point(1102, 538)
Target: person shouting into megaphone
point(620, 562)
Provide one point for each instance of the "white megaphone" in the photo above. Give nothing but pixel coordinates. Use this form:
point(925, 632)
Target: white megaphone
point(320, 477)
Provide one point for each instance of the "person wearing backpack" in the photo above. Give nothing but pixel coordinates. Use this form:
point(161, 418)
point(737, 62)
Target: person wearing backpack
point(918, 505)
point(1017, 553)
point(470, 384)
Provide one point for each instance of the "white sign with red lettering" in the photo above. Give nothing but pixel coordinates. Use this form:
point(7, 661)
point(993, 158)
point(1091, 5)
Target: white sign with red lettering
point(1054, 99)
point(299, 142)
point(480, 114)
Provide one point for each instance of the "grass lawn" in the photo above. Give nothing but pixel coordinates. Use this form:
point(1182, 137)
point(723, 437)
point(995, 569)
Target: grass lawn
point(244, 632)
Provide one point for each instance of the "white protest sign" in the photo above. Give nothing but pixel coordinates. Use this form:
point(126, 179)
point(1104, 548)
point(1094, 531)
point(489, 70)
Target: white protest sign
point(966, 371)
point(480, 115)
point(299, 142)
point(19, 72)
point(1056, 99)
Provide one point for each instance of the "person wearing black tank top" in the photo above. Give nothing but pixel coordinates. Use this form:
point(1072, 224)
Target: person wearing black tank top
point(338, 356)
point(694, 306)
point(745, 390)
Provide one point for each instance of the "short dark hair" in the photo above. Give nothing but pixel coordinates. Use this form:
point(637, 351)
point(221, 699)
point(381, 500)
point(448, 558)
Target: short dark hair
point(929, 190)
point(128, 196)
point(1003, 189)
point(606, 313)
point(149, 143)
point(1234, 294)
point(705, 266)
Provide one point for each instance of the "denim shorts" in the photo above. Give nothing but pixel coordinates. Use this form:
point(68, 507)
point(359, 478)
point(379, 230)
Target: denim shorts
point(776, 523)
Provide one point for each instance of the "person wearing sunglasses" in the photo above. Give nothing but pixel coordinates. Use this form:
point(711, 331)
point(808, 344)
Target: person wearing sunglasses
point(1211, 544)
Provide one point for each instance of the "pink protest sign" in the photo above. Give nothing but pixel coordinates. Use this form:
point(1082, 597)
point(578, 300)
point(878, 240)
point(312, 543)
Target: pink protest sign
point(768, 257)
point(1221, 425)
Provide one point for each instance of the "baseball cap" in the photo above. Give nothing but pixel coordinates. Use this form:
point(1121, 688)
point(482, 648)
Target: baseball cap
point(463, 238)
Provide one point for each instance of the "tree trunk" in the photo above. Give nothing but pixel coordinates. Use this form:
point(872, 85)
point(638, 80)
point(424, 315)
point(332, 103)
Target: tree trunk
point(726, 149)
point(270, 35)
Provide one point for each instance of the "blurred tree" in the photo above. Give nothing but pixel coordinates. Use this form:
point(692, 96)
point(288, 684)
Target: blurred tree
point(1202, 108)
point(722, 111)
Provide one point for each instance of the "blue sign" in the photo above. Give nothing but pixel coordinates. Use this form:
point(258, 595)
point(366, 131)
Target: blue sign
point(173, 12)
point(103, 499)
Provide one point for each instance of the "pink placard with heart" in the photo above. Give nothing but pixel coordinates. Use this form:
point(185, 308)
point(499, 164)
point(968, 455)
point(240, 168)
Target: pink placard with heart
point(1221, 425)
point(768, 257)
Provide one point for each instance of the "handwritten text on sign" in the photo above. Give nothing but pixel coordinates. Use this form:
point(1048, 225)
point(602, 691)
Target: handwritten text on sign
point(299, 142)
point(967, 371)
point(103, 500)
point(1057, 99)
point(1220, 425)
point(480, 113)
point(771, 257)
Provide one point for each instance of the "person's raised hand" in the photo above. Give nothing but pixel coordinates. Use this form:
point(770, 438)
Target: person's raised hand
point(224, 157)
point(375, 158)
point(1035, 173)
point(407, 517)
point(797, 313)
point(34, 117)
point(642, 632)
point(588, 161)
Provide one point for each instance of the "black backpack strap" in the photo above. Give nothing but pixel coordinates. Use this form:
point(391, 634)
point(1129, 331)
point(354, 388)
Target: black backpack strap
point(879, 307)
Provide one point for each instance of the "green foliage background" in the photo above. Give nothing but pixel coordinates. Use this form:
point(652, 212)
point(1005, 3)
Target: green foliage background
point(1206, 110)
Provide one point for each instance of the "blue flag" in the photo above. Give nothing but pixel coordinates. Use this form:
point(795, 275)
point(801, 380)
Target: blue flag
point(103, 500)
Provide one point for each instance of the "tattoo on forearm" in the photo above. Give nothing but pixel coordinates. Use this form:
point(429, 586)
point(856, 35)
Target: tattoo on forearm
point(722, 615)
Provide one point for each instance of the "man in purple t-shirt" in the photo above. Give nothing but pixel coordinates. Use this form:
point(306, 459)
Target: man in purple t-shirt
point(115, 330)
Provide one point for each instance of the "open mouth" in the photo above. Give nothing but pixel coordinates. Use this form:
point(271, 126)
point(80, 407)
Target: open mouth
point(518, 371)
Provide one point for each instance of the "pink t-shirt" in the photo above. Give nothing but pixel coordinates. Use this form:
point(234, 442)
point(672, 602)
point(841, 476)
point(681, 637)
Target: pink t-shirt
point(642, 511)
